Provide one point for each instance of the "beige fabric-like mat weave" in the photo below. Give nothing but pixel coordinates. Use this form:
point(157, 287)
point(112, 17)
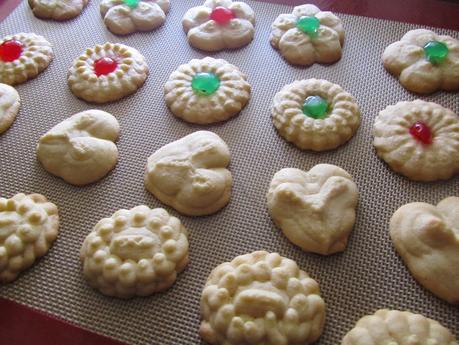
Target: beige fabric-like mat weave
point(367, 276)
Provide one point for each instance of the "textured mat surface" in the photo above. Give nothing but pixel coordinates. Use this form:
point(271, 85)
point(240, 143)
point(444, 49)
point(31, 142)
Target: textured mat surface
point(367, 276)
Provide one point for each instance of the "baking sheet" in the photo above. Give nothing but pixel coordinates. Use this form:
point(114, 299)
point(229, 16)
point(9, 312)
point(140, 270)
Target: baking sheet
point(367, 276)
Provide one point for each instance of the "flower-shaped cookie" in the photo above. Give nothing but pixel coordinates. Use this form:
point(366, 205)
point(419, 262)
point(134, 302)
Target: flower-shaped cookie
point(190, 174)
point(23, 56)
point(308, 35)
point(261, 298)
point(315, 114)
point(135, 252)
point(123, 17)
point(206, 91)
point(424, 61)
point(419, 140)
point(219, 24)
point(28, 226)
point(57, 9)
point(107, 73)
point(393, 327)
point(314, 209)
point(81, 149)
point(9, 106)
point(427, 239)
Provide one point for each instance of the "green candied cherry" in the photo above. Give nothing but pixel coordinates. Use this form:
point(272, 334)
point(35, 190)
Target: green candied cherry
point(309, 25)
point(205, 84)
point(131, 3)
point(315, 107)
point(435, 52)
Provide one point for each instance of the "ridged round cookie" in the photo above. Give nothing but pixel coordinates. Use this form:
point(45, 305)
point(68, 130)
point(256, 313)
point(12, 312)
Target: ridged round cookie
point(387, 327)
point(135, 252)
point(308, 35)
point(206, 91)
point(315, 114)
point(261, 298)
point(9, 106)
point(419, 140)
point(57, 9)
point(28, 226)
point(124, 17)
point(23, 56)
point(107, 73)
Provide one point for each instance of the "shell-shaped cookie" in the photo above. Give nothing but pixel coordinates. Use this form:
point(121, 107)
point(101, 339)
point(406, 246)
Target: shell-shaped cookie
point(135, 252)
point(315, 209)
point(28, 226)
point(9, 106)
point(124, 17)
point(419, 140)
point(214, 104)
point(191, 174)
point(424, 62)
point(261, 298)
point(427, 239)
point(339, 123)
point(308, 35)
point(219, 24)
point(57, 9)
point(398, 328)
point(23, 56)
point(107, 73)
point(81, 149)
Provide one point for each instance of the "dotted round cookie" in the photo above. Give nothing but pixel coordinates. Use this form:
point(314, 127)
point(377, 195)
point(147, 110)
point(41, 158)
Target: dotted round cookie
point(23, 56)
point(28, 226)
point(261, 298)
point(206, 91)
point(57, 9)
point(135, 252)
point(107, 73)
point(419, 140)
point(9, 106)
point(315, 114)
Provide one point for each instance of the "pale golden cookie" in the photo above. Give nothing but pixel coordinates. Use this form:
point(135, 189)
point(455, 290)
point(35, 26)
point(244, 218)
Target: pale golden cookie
point(261, 298)
point(57, 9)
point(207, 91)
point(419, 140)
point(9, 106)
point(28, 227)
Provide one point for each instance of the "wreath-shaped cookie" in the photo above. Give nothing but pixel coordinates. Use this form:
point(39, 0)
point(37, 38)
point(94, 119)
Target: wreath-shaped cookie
point(9, 106)
point(315, 114)
point(219, 24)
point(57, 9)
point(123, 17)
point(424, 62)
point(308, 35)
point(23, 56)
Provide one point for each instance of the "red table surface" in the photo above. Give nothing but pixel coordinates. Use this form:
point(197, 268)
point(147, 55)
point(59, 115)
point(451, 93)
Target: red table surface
point(21, 325)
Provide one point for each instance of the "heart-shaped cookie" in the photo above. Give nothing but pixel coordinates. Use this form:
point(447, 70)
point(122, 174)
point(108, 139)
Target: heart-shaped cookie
point(427, 239)
point(81, 149)
point(314, 209)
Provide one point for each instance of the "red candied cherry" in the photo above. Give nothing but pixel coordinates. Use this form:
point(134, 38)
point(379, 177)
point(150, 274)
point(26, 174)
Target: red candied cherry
point(10, 50)
point(221, 15)
point(421, 132)
point(104, 66)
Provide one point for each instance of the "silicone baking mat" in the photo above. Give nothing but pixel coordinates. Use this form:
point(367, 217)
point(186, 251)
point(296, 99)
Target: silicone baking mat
point(367, 276)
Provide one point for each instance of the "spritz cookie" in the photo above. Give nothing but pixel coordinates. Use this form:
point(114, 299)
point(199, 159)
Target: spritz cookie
point(427, 239)
point(9, 106)
point(124, 17)
point(315, 114)
point(219, 24)
point(57, 9)
point(424, 62)
point(191, 174)
point(419, 140)
point(261, 298)
point(398, 328)
point(81, 149)
point(135, 252)
point(28, 226)
point(23, 56)
point(107, 73)
point(308, 35)
point(207, 91)
point(315, 209)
